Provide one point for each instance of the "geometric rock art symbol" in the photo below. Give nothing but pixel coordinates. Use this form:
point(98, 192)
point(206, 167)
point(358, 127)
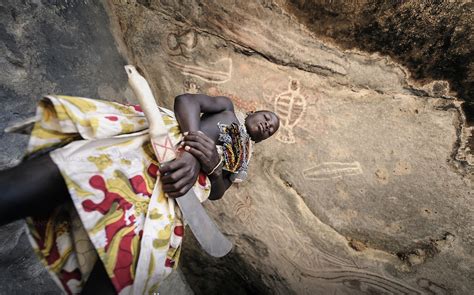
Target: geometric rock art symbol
point(182, 43)
point(191, 86)
point(290, 107)
point(330, 170)
point(164, 150)
point(431, 287)
point(243, 208)
point(217, 72)
point(364, 282)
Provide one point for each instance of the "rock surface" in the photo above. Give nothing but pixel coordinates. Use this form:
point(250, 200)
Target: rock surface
point(367, 187)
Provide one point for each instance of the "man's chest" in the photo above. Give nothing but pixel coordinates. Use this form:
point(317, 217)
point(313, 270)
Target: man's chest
point(209, 123)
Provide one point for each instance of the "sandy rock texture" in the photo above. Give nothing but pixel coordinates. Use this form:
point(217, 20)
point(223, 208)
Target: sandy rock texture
point(367, 187)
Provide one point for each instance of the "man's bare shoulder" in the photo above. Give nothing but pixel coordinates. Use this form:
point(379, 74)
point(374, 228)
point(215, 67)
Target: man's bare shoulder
point(209, 103)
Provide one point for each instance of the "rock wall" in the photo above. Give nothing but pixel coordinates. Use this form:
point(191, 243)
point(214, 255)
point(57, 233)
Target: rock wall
point(367, 187)
point(434, 39)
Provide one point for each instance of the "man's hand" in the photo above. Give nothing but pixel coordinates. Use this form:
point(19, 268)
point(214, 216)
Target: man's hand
point(179, 175)
point(203, 148)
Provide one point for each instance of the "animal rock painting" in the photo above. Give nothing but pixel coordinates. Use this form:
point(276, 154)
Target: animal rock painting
point(213, 72)
point(182, 43)
point(330, 170)
point(290, 107)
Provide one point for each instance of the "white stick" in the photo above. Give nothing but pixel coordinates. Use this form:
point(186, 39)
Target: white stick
point(147, 101)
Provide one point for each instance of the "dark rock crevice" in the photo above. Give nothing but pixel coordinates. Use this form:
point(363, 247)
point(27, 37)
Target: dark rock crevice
point(425, 249)
point(458, 157)
point(433, 39)
point(231, 274)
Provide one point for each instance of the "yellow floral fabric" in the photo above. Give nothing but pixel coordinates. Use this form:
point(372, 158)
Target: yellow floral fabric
point(103, 152)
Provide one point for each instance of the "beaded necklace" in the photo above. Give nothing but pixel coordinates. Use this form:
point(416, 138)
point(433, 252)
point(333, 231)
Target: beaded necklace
point(236, 148)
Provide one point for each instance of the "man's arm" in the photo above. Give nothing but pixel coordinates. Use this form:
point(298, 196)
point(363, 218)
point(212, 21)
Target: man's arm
point(219, 184)
point(179, 175)
point(204, 149)
point(188, 109)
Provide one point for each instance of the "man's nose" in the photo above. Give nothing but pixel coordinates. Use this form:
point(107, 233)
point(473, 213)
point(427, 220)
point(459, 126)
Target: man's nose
point(266, 125)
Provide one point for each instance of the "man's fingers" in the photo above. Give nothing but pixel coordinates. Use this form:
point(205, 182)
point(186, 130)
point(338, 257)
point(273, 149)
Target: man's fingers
point(181, 192)
point(205, 137)
point(196, 138)
point(174, 176)
point(198, 146)
point(171, 166)
point(179, 175)
point(179, 188)
point(175, 186)
point(196, 153)
point(199, 136)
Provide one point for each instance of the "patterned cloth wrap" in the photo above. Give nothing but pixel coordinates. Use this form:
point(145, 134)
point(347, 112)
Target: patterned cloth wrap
point(103, 152)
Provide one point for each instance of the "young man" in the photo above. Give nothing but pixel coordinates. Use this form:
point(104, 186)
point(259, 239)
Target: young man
point(215, 144)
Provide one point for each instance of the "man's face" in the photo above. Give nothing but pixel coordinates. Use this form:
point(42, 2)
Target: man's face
point(261, 125)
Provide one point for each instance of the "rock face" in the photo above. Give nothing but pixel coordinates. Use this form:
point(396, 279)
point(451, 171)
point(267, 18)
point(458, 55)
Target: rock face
point(434, 39)
point(367, 187)
point(53, 47)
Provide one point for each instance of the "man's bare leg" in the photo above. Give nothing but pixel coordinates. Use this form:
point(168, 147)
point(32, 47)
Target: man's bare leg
point(98, 282)
point(33, 188)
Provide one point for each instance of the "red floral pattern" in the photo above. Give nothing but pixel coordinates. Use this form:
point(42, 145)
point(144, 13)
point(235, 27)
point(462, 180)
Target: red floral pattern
point(113, 208)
